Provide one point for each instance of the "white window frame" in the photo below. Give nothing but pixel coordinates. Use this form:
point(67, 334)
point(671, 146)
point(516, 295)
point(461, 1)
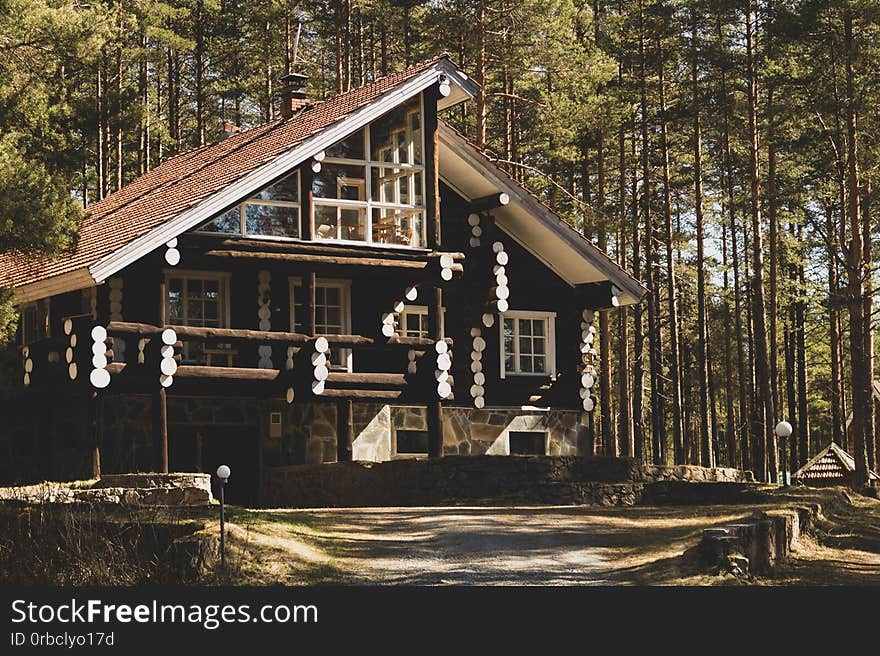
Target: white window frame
point(223, 278)
point(345, 296)
point(549, 319)
point(242, 213)
point(421, 310)
point(369, 204)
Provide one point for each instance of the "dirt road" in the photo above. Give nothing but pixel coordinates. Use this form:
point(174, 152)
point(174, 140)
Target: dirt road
point(487, 545)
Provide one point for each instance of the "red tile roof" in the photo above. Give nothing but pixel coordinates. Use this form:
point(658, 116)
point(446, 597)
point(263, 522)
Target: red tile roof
point(187, 179)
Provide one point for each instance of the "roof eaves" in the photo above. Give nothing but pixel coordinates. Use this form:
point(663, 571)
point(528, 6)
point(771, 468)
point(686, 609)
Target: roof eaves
point(616, 274)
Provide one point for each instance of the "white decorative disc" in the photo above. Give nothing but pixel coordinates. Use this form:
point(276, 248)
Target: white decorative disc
point(321, 372)
point(99, 378)
point(172, 256)
point(169, 336)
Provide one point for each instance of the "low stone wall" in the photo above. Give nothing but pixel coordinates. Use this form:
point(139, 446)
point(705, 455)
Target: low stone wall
point(480, 479)
point(176, 489)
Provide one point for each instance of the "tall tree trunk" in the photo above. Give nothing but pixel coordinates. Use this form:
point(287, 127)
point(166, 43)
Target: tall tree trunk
point(763, 434)
point(605, 345)
point(658, 419)
point(638, 369)
point(671, 291)
point(99, 137)
point(861, 383)
point(143, 92)
point(623, 444)
point(742, 382)
point(837, 417)
point(803, 433)
point(481, 74)
point(868, 312)
point(117, 124)
point(707, 453)
point(770, 202)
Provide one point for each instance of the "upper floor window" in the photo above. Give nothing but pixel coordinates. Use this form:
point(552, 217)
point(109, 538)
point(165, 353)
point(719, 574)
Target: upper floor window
point(371, 186)
point(271, 212)
point(197, 299)
point(528, 343)
point(34, 321)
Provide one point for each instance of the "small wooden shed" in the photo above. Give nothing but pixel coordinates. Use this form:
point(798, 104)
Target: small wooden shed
point(831, 466)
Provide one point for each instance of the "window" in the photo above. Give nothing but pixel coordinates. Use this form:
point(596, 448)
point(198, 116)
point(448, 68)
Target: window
point(272, 212)
point(371, 186)
point(34, 321)
point(528, 344)
point(197, 299)
point(411, 443)
point(527, 443)
point(414, 320)
point(332, 313)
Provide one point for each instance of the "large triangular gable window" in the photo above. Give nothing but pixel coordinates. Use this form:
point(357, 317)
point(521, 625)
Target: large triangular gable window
point(272, 212)
point(371, 186)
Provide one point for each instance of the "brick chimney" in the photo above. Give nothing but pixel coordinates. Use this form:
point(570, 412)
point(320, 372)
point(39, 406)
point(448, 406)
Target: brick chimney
point(293, 94)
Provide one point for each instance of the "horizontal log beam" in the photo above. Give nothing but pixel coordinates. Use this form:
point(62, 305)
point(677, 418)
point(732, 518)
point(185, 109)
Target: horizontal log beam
point(262, 336)
point(325, 247)
point(331, 260)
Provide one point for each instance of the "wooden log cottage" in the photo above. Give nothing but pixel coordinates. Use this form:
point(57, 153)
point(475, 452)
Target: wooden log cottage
point(354, 280)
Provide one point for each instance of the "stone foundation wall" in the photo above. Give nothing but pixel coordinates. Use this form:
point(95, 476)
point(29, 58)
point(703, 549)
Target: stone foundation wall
point(488, 479)
point(175, 489)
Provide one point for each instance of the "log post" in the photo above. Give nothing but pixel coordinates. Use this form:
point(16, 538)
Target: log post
point(435, 407)
point(344, 430)
point(308, 288)
point(160, 400)
point(432, 167)
point(93, 427)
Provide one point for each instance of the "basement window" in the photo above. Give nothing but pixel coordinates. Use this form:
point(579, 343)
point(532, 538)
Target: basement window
point(411, 443)
point(528, 443)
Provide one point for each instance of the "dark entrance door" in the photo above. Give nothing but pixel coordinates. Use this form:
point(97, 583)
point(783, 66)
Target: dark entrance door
point(204, 448)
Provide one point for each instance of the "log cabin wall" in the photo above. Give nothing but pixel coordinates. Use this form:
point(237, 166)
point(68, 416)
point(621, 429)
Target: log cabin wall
point(237, 413)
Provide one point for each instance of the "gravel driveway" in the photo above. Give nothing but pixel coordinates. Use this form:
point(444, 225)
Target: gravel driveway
point(509, 545)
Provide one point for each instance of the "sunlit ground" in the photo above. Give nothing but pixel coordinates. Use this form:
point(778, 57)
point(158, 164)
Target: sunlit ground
point(560, 545)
